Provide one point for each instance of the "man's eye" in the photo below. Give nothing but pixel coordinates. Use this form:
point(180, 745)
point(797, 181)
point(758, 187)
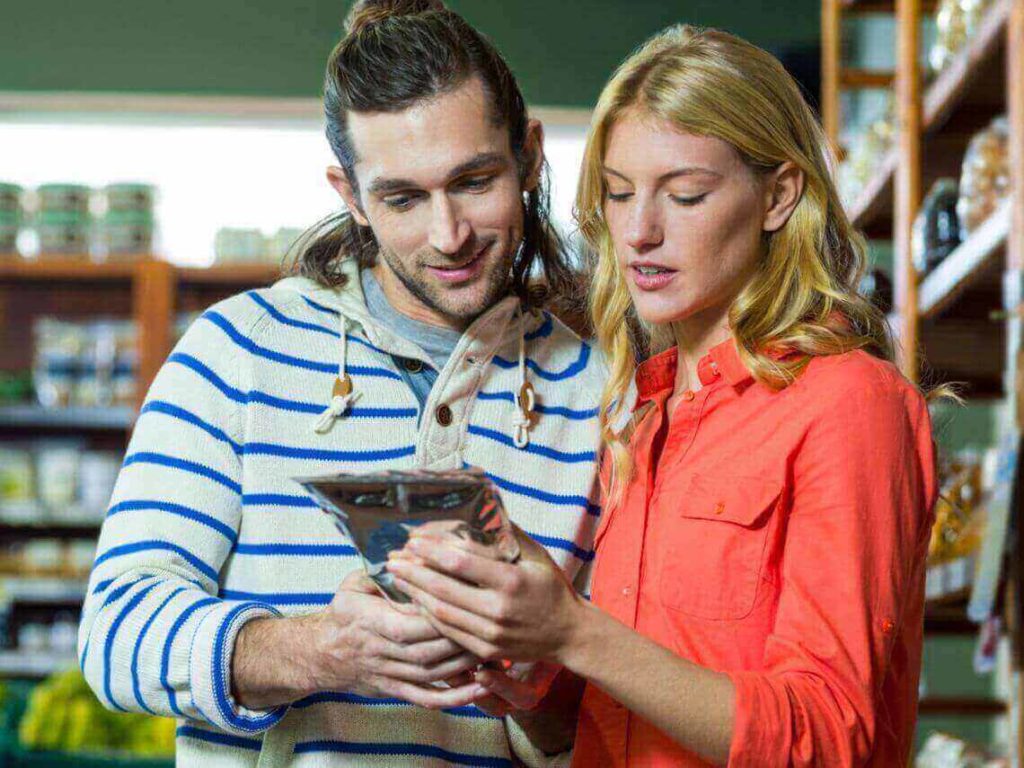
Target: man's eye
point(398, 202)
point(476, 184)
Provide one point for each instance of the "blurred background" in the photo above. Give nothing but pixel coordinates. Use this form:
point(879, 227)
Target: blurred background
point(156, 157)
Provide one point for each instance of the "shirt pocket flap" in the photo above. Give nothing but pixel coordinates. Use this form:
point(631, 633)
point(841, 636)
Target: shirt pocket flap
point(729, 498)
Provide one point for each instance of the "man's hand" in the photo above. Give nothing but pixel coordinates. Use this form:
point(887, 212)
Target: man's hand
point(361, 644)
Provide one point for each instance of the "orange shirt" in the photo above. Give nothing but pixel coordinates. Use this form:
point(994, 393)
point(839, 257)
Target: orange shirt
point(780, 538)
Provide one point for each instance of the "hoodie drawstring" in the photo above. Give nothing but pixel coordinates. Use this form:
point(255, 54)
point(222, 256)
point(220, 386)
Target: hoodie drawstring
point(343, 395)
point(526, 401)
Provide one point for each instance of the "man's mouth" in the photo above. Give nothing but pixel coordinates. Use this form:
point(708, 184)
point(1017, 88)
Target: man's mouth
point(460, 273)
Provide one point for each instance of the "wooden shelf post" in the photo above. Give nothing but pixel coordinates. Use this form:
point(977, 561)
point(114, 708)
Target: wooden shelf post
point(153, 300)
point(831, 52)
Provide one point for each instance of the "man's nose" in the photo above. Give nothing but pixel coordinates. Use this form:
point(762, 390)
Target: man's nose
point(448, 231)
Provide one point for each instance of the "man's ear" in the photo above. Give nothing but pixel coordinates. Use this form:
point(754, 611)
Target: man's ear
point(338, 179)
point(785, 187)
point(533, 152)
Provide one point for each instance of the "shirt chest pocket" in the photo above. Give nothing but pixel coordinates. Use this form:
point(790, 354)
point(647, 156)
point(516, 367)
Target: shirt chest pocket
point(714, 531)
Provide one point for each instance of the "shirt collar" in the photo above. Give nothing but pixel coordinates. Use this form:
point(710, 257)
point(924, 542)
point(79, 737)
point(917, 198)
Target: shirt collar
point(658, 373)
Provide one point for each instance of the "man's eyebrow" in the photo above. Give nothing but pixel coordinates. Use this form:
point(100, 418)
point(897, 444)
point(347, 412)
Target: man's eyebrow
point(383, 186)
point(689, 170)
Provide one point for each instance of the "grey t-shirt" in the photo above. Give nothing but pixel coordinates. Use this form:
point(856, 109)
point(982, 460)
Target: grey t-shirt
point(437, 342)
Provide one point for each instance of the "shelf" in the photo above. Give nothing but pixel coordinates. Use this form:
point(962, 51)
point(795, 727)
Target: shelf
point(36, 664)
point(19, 589)
point(876, 197)
point(72, 418)
point(962, 706)
point(85, 529)
point(66, 268)
point(953, 83)
point(958, 270)
point(241, 275)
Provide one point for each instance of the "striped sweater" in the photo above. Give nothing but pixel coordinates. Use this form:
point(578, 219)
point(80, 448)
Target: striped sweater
point(206, 529)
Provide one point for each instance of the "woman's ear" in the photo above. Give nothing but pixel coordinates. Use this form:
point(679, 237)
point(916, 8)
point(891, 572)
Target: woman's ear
point(338, 179)
point(533, 151)
point(783, 190)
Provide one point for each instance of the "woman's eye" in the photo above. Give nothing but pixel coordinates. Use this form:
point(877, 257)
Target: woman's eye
point(692, 200)
point(618, 197)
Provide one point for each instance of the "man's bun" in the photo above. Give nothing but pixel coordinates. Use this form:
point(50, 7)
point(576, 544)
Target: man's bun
point(365, 13)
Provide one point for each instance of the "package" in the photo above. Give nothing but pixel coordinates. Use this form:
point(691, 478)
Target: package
point(956, 22)
point(376, 512)
point(64, 198)
point(17, 475)
point(97, 473)
point(63, 233)
point(126, 234)
point(239, 245)
point(937, 226)
point(58, 348)
point(57, 468)
point(985, 177)
point(130, 196)
point(10, 225)
point(868, 149)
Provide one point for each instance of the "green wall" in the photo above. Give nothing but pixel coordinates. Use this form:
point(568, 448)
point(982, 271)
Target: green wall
point(561, 49)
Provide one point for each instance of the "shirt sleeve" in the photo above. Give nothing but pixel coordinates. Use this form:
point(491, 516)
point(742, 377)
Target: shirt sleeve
point(855, 545)
point(154, 635)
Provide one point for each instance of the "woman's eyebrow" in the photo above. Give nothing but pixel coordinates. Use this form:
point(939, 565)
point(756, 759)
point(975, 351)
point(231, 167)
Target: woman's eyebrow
point(689, 170)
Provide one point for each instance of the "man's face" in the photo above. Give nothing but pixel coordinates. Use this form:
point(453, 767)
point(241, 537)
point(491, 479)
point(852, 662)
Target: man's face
point(440, 188)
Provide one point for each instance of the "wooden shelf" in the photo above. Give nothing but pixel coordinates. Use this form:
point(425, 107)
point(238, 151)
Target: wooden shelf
point(953, 83)
point(66, 268)
point(86, 529)
point(962, 705)
point(242, 275)
point(76, 418)
point(964, 265)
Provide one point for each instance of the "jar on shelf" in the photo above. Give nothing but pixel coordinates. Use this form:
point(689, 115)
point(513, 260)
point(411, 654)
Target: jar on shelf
point(64, 198)
point(130, 196)
point(985, 177)
point(937, 226)
point(239, 245)
point(126, 234)
point(10, 225)
point(956, 22)
point(10, 197)
point(58, 350)
point(63, 233)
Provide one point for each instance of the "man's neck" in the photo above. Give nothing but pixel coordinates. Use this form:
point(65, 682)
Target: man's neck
point(405, 303)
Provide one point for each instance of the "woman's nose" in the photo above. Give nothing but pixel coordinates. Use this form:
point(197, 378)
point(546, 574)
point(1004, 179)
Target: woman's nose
point(644, 228)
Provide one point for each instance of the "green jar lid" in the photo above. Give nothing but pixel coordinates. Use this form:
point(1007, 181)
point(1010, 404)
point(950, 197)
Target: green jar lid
point(6, 188)
point(128, 218)
point(62, 219)
point(129, 188)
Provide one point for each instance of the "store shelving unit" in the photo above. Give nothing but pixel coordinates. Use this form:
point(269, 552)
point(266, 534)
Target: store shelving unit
point(147, 290)
point(963, 321)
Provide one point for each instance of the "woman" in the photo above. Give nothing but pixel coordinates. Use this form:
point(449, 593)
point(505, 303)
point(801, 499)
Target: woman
point(757, 595)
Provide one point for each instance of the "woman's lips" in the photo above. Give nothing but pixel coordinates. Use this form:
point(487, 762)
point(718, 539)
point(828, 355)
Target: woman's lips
point(651, 281)
point(463, 273)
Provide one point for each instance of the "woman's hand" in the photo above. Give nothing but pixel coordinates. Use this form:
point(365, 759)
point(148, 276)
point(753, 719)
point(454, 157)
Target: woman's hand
point(523, 611)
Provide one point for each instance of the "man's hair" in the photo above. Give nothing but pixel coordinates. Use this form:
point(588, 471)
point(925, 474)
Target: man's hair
point(396, 54)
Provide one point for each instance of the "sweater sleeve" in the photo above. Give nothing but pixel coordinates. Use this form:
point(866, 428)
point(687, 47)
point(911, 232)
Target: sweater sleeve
point(154, 635)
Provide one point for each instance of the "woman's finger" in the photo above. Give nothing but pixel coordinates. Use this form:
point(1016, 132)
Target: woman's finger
point(442, 586)
point(462, 563)
point(519, 694)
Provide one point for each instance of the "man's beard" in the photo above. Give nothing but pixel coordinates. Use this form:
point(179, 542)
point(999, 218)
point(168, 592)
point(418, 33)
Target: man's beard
point(440, 300)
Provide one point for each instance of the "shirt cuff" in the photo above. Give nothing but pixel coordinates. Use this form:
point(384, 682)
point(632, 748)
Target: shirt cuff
point(532, 757)
point(758, 722)
point(210, 669)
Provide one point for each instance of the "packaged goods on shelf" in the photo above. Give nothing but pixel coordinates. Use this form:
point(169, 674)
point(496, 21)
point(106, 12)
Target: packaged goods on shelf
point(63, 233)
point(937, 226)
point(956, 22)
point(130, 196)
point(86, 364)
point(63, 198)
point(10, 197)
point(941, 750)
point(47, 558)
point(985, 177)
point(957, 531)
point(868, 149)
point(232, 246)
point(55, 482)
point(10, 217)
point(127, 228)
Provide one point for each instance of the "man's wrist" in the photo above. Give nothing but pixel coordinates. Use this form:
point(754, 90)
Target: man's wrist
point(276, 661)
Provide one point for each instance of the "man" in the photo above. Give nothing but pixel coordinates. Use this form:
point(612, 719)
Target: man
point(408, 340)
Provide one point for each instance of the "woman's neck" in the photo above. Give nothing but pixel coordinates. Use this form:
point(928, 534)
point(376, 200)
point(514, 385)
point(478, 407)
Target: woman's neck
point(695, 337)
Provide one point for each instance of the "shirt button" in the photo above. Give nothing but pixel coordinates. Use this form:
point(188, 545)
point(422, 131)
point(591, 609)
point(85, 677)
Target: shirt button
point(412, 365)
point(888, 626)
point(719, 508)
point(688, 395)
point(627, 591)
point(443, 414)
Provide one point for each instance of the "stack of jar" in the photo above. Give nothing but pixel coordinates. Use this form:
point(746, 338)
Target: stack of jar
point(127, 227)
point(84, 364)
point(62, 219)
point(10, 218)
point(233, 246)
point(956, 21)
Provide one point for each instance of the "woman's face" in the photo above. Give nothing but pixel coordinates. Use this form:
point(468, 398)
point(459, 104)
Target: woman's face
point(686, 217)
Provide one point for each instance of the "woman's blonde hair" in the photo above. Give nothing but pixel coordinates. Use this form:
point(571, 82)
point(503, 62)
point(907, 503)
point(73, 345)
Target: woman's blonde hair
point(804, 296)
